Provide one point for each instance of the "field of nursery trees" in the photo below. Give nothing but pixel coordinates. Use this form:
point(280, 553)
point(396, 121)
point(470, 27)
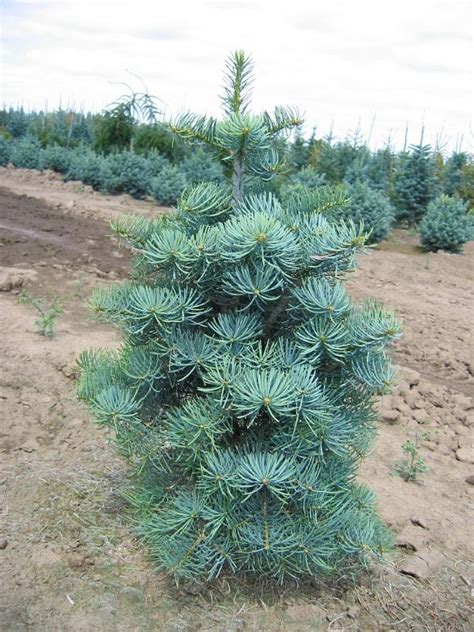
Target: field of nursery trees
point(237, 376)
point(129, 149)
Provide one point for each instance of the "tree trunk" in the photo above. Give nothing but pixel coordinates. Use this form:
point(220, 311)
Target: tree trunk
point(238, 179)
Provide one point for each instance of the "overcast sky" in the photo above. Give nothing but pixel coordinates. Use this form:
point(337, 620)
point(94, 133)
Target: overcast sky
point(342, 62)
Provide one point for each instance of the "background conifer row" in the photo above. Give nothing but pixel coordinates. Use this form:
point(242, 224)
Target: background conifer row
point(128, 148)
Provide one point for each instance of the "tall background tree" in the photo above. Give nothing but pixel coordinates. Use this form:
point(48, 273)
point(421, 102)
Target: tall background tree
point(415, 183)
point(115, 128)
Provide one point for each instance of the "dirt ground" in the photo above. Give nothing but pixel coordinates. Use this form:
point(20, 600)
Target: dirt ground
point(68, 558)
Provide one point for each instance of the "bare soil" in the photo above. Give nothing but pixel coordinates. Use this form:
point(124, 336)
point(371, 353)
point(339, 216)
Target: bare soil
point(68, 558)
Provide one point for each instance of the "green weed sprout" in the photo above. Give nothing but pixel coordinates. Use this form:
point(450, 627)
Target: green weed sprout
point(413, 464)
point(47, 313)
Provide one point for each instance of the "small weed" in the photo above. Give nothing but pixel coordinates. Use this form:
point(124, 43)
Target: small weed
point(413, 464)
point(47, 313)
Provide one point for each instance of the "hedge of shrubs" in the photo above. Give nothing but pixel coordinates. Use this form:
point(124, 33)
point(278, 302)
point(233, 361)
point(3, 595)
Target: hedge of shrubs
point(445, 226)
point(124, 172)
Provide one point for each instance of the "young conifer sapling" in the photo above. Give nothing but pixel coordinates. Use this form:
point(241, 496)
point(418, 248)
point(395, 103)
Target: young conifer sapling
point(244, 390)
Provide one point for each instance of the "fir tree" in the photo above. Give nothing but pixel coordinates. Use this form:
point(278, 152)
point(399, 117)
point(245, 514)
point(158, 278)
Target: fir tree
point(168, 184)
point(324, 160)
point(446, 225)
point(380, 169)
point(200, 167)
point(415, 184)
point(466, 189)
point(82, 129)
point(244, 390)
point(299, 153)
point(128, 173)
point(26, 153)
point(372, 208)
point(303, 179)
point(56, 158)
point(358, 170)
point(114, 129)
point(52, 128)
point(17, 124)
point(453, 173)
point(157, 138)
point(5, 150)
point(372, 168)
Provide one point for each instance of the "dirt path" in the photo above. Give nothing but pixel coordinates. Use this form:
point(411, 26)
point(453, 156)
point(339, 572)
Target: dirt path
point(55, 236)
point(49, 187)
point(67, 557)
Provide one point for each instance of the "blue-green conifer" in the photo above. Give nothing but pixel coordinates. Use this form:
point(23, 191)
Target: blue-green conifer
point(453, 171)
point(446, 225)
point(415, 183)
point(372, 208)
point(244, 390)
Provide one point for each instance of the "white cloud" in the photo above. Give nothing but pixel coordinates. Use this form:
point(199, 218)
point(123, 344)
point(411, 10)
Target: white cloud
point(340, 62)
